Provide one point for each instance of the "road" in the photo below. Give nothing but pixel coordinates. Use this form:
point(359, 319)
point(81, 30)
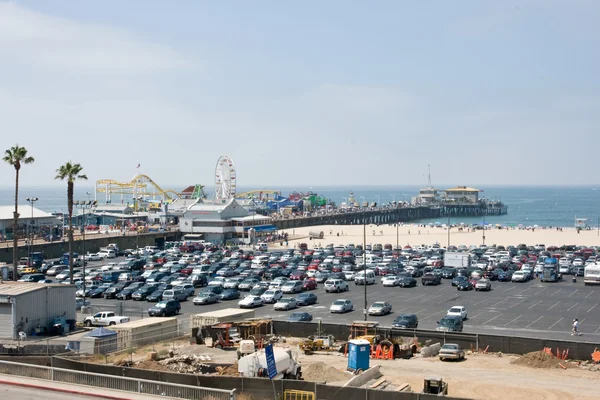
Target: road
point(23, 393)
point(531, 309)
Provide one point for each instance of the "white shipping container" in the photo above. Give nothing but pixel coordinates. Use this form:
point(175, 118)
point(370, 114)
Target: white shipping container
point(215, 317)
point(457, 260)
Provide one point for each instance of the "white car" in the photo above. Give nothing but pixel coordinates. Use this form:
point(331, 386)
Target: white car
point(578, 262)
point(217, 281)
point(285, 303)
point(272, 295)
point(519, 276)
point(390, 280)
point(107, 254)
point(341, 306)
point(335, 285)
point(457, 311)
point(250, 302)
point(92, 257)
point(276, 284)
point(232, 283)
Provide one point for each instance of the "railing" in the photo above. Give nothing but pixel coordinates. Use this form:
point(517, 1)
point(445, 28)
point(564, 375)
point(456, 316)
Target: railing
point(115, 382)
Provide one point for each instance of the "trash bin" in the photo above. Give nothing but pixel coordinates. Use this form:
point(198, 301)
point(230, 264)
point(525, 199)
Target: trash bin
point(574, 279)
point(358, 354)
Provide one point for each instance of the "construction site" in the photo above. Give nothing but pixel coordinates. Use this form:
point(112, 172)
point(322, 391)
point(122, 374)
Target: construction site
point(231, 344)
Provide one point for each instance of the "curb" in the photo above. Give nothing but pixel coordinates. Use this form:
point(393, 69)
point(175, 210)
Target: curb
point(78, 392)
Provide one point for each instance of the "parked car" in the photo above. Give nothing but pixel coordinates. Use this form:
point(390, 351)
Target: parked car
point(175, 294)
point(465, 284)
point(206, 298)
point(451, 351)
point(406, 321)
point(306, 299)
point(390, 280)
point(272, 295)
point(292, 287)
point(230, 294)
point(142, 293)
point(380, 308)
point(483, 284)
point(450, 323)
point(165, 308)
point(250, 302)
point(300, 317)
point(336, 285)
point(408, 281)
point(309, 284)
point(341, 306)
point(285, 303)
point(459, 311)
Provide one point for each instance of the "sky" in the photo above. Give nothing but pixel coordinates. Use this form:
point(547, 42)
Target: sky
point(307, 93)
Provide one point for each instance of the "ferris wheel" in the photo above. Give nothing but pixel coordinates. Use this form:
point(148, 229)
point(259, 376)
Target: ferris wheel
point(224, 179)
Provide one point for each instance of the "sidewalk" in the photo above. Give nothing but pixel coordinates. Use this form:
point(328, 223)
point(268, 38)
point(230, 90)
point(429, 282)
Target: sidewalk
point(74, 389)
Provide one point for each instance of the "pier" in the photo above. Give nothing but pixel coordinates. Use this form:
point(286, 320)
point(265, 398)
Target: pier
point(381, 216)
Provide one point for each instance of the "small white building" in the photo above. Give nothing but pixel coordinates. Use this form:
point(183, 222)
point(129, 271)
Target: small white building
point(462, 194)
point(35, 218)
point(219, 223)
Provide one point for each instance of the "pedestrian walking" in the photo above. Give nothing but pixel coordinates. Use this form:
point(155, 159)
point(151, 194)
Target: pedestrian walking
point(575, 327)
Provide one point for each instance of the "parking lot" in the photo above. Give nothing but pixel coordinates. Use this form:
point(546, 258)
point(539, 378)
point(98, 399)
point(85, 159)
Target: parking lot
point(533, 309)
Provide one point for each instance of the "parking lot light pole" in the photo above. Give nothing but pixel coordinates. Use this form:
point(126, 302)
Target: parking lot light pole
point(30, 200)
point(83, 205)
point(365, 263)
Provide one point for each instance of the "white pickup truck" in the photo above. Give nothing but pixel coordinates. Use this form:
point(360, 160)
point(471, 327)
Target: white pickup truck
point(106, 318)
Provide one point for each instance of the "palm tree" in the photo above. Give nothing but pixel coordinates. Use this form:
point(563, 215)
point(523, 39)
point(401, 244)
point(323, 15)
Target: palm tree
point(70, 172)
point(16, 156)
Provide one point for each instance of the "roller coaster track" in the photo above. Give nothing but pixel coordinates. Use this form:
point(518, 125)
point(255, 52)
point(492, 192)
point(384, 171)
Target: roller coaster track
point(137, 186)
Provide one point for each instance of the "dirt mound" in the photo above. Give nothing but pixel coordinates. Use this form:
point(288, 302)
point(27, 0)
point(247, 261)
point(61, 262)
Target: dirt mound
point(231, 370)
point(321, 372)
point(540, 359)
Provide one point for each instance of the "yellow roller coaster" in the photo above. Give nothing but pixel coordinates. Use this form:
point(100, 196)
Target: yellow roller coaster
point(138, 187)
point(258, 193)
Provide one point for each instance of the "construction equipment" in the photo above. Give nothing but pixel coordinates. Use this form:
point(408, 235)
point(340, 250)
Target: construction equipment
point(365, 330)
point(435, 385)
point(258, 330)
point(255, 365)
point(224, 336)
point(317, 343)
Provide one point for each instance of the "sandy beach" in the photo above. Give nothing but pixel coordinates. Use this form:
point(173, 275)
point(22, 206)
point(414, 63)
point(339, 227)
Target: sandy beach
point(415, 235)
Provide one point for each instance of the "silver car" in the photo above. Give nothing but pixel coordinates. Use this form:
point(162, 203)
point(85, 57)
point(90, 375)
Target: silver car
point(341, 306)
point(380, 308)
point(286, 303)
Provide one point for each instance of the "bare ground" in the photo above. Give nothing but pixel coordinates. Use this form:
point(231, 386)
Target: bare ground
point(483, 376)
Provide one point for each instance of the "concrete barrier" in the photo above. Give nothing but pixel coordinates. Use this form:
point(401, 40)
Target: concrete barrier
point(431, 351)
point(366, 376)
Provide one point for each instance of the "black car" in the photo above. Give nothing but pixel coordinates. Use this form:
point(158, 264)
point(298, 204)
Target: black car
point(406, 321)
point(112, 292)
point(143, 292)
point(306, 299)
point(165, 308)
point(157, 294)
point(505, 276)
point(408, 281)
point(258, 291)
point(465, 285)
point(300, 317)
point(126, 293)
point(448, 273)
point(230, 294)
point(96, 292)
point(458, 279)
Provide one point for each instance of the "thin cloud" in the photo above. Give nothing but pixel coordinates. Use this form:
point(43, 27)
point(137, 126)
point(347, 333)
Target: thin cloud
point(33, 37)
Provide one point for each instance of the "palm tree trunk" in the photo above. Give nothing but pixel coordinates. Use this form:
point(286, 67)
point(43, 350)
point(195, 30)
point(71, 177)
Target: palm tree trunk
point(70, 206)
point(15, 222)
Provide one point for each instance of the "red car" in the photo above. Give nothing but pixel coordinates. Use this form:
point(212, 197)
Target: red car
point(309, 284)
point(187, 270)
point(298, 276)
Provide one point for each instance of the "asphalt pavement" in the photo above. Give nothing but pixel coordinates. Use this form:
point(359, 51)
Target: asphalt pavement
point(530, 309)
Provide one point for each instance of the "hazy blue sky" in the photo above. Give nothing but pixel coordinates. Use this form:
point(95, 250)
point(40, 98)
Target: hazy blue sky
point(304, 93)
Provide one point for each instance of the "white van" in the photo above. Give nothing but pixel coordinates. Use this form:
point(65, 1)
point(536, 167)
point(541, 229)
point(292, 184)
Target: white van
point(107, 253)
point(261, 247)
point(361, 277)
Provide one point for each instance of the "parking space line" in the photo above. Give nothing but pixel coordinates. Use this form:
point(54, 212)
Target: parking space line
point(429, 316)
point(495, 304)
point(589, 294)
point(490, 320)
point(430, 298)
point(479, 302)
point(510, 288)
point(592, 307)
point(557, 291)
point(573, 292)
point(476, 315)
point(513, 320)
point(534, 322)
point(573, 306)
point(519, 302)
point(554, 324)
point(535, 294)
point(596, 331)
point(551, 307)
point(533, 305)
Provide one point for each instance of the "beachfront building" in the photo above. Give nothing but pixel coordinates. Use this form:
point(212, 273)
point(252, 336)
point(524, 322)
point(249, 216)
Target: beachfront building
point(427, 196)
point(36, 220)
point(221, 223)
point(462, 194)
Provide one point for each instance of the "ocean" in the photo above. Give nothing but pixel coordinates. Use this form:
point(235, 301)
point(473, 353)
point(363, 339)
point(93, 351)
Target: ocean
point(543, 206)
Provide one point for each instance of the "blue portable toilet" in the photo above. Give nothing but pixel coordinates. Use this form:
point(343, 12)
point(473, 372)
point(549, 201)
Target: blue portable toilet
point(359, 351)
